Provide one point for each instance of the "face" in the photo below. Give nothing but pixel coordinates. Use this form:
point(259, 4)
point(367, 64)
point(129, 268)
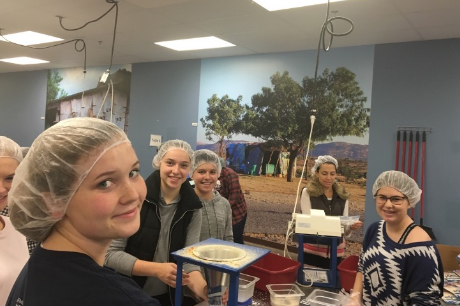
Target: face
point(174, 168)
point(108, 202)
point(326, 175)
point(205, 178)
point(7, 169)
point(389, 212)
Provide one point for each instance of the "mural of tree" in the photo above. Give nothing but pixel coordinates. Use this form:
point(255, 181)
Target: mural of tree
point(281, 114)
point(223, 119)
point(53, 91)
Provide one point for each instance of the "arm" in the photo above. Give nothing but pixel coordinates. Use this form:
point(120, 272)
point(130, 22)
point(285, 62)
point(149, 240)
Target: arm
point(197, 284)
point(356, 294)
point(195, 281)
point(423, 286)
point(166, 271)
point(223, 186)
point(228, 236)
point(194, 229)
point(305, 204)
point(358, 286)
point(193, 236)
point(355, 226)
point(232, 189)
point(124, 263)
point(117, 259)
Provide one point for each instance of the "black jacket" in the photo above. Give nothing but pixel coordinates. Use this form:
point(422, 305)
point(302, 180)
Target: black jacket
point(144, 242)
point(319, 201)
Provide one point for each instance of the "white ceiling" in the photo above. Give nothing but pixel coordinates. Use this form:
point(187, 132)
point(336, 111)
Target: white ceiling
point(247, 25)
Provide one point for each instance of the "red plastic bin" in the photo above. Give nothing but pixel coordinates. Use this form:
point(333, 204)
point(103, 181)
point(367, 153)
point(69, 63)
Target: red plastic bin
point(273, 269)
point(347, 270)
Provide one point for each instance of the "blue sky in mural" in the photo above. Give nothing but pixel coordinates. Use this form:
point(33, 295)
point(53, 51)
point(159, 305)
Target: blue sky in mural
point(246, 75)
point(74, 80)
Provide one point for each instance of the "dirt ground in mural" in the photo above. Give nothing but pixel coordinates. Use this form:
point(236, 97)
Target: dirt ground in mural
point(271, 202)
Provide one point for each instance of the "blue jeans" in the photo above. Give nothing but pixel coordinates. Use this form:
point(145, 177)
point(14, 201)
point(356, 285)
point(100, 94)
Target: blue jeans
point(238, 231)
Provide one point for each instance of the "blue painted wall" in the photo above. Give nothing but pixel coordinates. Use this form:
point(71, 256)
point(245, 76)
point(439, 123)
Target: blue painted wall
point(418, 84)
point(414, 84)
point(164, 101)
point(22, 104)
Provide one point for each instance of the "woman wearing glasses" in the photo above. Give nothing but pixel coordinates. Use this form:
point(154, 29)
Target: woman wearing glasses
point(399, 263)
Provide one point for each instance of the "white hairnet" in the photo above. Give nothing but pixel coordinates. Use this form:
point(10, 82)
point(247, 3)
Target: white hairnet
point(401, 182)
point(205, 157)
point(324, 159)
point(24, 151)
point(168, 146)
point(53, 169)
point(9, 148)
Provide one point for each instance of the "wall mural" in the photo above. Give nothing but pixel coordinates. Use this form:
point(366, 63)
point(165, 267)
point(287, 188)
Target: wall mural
point(255, 111)
point(71, 93)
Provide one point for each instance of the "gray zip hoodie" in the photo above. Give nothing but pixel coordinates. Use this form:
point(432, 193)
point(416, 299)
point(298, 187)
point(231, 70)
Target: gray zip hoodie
point(217, 219)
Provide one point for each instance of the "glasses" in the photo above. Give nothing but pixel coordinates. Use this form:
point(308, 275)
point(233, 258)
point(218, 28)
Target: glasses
point(381, 199)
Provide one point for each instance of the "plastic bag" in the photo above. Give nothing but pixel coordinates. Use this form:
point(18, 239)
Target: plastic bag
point(348, 220)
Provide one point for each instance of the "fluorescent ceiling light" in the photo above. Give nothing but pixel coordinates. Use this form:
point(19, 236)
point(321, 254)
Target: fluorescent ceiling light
point(28, 38)
point(199, 43)
point(23, 60)
point(276, 5)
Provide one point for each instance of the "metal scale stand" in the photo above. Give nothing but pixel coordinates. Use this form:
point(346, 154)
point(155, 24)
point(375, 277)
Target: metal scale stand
point(333, 279)
point(232, 268)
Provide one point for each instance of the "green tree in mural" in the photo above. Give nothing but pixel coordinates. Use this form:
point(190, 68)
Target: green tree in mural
point(53, 91)
point(223, 119)
point(281, 114)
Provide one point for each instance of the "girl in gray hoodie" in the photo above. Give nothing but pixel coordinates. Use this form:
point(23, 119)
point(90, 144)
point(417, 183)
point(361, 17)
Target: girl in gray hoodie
point(217, 213)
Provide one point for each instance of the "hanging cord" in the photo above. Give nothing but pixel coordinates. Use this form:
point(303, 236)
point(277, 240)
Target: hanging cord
point(328, 22)
point(115, 5)
point(325, 28)
point(83, 48)
point(103, 101)
point(111, 105)
point(290, 229)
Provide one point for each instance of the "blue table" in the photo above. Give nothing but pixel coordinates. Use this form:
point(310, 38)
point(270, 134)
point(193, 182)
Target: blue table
point(333, 276)
point(233, 268)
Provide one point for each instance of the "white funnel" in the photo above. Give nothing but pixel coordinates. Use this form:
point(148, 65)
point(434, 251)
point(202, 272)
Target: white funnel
point(215, 252)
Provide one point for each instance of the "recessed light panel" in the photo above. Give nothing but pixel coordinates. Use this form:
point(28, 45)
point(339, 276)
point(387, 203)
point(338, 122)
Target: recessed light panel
point(276, 5)
point(28, 38)
point(199, 43)
point(23, 60)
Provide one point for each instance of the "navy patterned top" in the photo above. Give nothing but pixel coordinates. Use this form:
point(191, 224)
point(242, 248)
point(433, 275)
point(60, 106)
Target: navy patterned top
point(399, 274)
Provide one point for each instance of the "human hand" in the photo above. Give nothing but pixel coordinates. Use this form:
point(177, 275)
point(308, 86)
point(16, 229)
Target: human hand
point(198, 285)
point(225, 297)
point(185, 278)
point(200, 294)
point(354, 299)
point(356, 225)
point(167, 272)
